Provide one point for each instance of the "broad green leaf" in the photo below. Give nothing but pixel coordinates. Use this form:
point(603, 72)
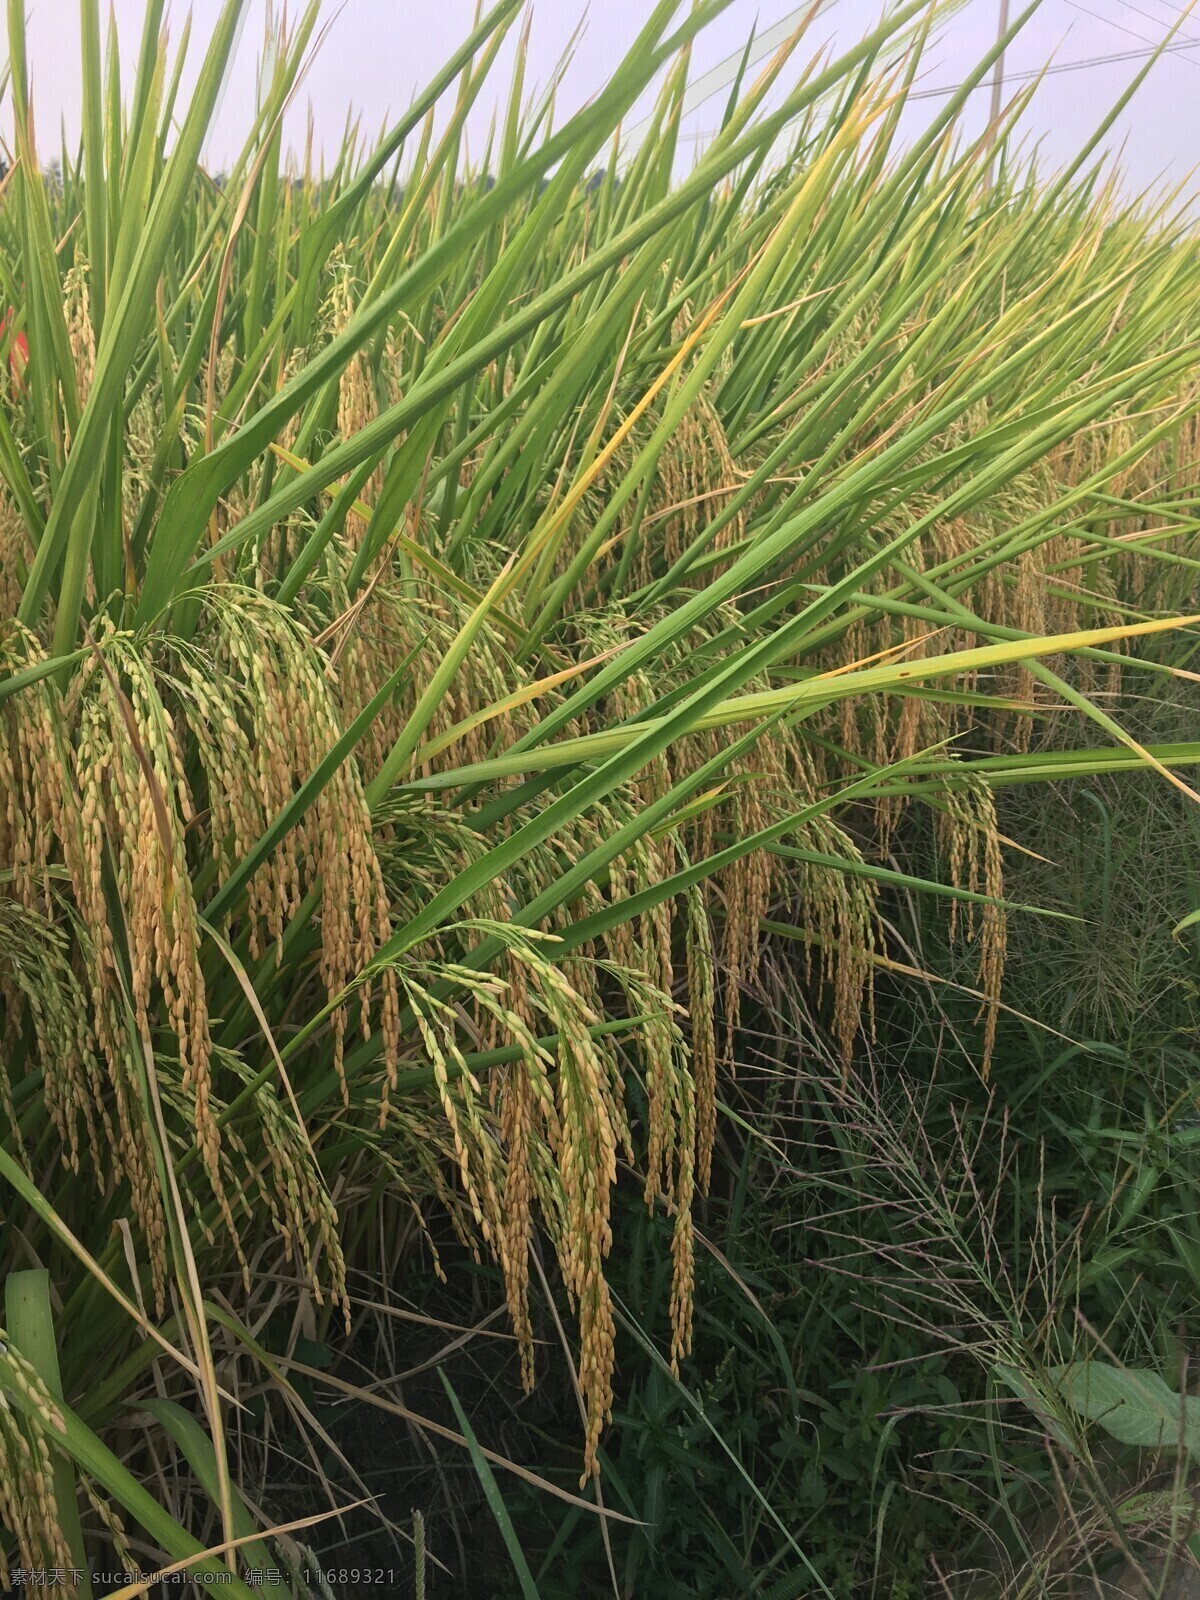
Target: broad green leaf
point(1133, 1405)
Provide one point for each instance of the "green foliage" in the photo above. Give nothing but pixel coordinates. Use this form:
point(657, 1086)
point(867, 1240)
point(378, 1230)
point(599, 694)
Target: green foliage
point(1134, 1406)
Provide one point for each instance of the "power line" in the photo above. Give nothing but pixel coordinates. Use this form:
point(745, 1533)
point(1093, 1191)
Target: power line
point(1158, 21)
point(724, 72)
point(1173, 11)
point(1052, 71)
point(1121, 28)
point(1055, 69)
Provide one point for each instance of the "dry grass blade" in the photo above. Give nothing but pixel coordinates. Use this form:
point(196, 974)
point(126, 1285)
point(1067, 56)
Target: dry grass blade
point(131, 1590)
point(439, 1431)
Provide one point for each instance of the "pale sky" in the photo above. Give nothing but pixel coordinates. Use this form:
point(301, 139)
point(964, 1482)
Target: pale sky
point(377, 52)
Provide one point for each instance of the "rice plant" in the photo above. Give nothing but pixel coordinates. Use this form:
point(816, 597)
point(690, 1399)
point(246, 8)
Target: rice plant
point(449, 607)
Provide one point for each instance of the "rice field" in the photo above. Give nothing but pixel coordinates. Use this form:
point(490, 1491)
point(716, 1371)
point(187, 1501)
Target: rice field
point(469, 623)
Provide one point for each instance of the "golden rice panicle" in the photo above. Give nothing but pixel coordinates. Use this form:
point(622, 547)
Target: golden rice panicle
point(35, 970)
point(660, 1035)
point(293, 724)
point(1029, 613)
point(34, 812)
point(110, 1521)
point(746, 885)
point(301, 1205)
point(683, 1252)
point(912, 712)
point(516, 1130)
point(477, 1153)
point(695, 476)
point(135, 794)
point(577, 1120)
point(528, 1119)
point(445, 1057)
point(701, 990)
point(43, 816)
point(629, 699)
point(356, 396)
point(526, 1114)
point(724, 476)
point(81, 336)
point(587, 1165)
point(969, 838)
point(150, 807)
point(395, 365)
point(772, 774)
point(993, 929)
point(852, 912)
point(290, 433)
point(836, 909)
point(641, 952)
point(671, 1160)
point(16, 551)
point(364, 655)
point(215, 707)
point(29, 1511)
